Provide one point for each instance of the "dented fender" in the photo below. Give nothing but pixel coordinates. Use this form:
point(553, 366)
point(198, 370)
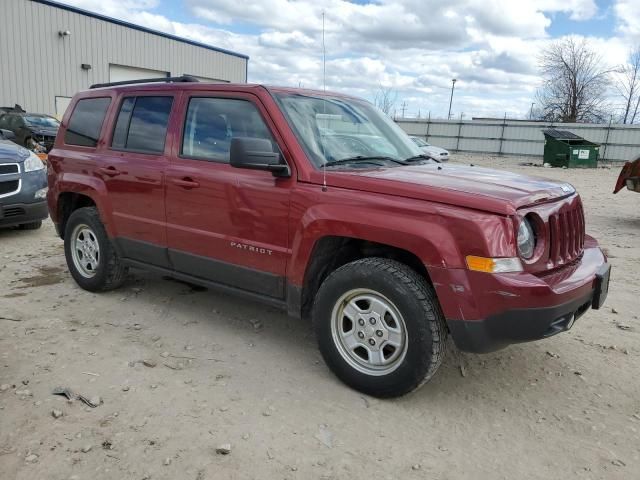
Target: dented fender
point(432, 232)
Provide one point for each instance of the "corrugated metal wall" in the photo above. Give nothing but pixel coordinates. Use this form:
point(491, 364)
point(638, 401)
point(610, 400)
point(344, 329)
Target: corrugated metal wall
point(36, 64)
point(618, 142)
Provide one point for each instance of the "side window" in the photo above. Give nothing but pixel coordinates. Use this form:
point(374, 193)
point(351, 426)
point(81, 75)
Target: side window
point(10, 122)
point(86, 122)
point(122, 123)
point(142, 124)
point(211, 123)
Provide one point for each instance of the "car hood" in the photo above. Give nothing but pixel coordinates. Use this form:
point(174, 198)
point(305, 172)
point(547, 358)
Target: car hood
point(11, 153)
point(47, 132)
point(479, 188)
point(435, 150)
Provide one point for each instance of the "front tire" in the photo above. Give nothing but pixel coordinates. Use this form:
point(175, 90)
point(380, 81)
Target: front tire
point(379, 327)
point(91, 258)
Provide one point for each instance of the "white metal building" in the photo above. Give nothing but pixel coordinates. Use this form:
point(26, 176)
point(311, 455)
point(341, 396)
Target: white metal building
point(49, 51)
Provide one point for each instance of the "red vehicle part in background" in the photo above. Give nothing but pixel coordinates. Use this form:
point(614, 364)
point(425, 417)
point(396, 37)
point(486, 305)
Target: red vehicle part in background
point(629, 177)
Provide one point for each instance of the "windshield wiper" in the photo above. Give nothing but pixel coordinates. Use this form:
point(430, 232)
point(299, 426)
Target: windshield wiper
point(417, 158)
point(363, 158)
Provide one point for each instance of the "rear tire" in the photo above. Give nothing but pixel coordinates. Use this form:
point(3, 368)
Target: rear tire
point(91, 257)
point(379, 327)
point(30, 225)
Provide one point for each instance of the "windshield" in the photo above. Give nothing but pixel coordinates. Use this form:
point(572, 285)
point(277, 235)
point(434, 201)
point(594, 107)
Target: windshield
point(332, 129)
point(419, 142)
point(38, 121)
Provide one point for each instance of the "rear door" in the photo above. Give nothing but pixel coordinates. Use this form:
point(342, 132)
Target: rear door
point(132, 167)
point(225, 224)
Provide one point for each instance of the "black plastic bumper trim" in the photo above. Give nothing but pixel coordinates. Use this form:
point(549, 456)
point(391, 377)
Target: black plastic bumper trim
point(33, 212)
point(516, 326)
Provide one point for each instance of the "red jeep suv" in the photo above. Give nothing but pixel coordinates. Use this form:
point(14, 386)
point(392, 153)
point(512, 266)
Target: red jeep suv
point(318, 203)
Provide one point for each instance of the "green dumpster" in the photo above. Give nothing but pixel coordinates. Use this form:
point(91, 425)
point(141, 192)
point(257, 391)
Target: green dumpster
point(566, 149)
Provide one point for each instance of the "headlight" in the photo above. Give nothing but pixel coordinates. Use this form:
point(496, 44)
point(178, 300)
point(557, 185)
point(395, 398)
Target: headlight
point(493, 265)
point(526, 239)
point(33, 163)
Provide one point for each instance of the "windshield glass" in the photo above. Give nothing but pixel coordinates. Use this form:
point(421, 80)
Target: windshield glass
point(331, 129)
point(419, 142)
point(37, 121)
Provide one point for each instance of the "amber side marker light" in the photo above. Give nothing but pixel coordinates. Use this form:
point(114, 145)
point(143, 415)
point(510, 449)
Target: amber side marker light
point(493, 265)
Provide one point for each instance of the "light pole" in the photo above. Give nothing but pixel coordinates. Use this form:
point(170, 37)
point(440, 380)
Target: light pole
point(531, 111)
point(453, 85)
point(404, 107)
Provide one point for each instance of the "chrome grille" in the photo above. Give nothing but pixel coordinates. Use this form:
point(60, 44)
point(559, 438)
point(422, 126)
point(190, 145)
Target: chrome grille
point(9, 187)
point(566, 235)
point(9, 168)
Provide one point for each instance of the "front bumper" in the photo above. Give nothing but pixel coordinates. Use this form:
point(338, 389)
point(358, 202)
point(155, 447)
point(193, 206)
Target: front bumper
point(487, 312)
point(18, 213)
point(22, 206)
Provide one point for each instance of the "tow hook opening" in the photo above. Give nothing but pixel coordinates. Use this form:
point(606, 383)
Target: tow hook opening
point(565, 322)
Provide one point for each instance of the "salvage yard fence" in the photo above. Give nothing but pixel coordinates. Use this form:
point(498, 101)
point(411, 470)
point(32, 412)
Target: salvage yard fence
point(618, 142)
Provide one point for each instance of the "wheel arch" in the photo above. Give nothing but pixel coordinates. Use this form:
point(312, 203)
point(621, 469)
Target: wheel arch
point(69, 202)
point(330, 252)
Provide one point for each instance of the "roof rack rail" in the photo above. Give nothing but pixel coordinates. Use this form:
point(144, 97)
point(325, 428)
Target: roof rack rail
point(183, 78)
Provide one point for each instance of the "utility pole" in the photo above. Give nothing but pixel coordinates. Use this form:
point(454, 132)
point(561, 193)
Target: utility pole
point(531, 111)
point(403, 107)
point(453, 85)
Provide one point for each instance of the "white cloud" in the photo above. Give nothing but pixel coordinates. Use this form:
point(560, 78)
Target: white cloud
point(577, 9)
point(414, 46)
point(287, 40)
point(113, 8)
point(628, 15)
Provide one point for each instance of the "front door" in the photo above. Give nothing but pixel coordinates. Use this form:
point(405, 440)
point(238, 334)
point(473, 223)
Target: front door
point(225, 224)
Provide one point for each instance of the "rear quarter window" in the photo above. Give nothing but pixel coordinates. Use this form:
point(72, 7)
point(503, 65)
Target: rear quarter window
point(86, 122)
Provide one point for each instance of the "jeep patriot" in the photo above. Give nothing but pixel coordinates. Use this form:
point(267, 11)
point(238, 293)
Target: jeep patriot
point(318, 203)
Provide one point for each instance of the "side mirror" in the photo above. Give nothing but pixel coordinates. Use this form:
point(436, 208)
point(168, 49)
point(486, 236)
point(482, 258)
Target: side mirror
point(7, 134)
point(257, 154)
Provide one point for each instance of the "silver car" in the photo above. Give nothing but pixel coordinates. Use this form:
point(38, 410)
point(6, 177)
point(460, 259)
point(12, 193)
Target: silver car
point(434, 152)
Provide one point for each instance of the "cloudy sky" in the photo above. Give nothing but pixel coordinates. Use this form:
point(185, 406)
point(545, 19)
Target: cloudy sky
point(413, 46)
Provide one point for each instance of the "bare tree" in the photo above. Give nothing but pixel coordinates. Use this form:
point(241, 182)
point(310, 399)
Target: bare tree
point(536, 114)
point(385, 99)
point(628, 86)
point(575, 83)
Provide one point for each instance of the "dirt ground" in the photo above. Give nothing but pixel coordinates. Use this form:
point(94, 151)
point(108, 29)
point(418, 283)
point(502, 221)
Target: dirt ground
point(225, 371)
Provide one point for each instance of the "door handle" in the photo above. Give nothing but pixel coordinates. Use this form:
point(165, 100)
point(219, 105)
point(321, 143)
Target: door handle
point(185, 182)
point(109, 171)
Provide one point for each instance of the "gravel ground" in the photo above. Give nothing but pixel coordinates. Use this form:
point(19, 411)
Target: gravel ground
point(198, 385)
